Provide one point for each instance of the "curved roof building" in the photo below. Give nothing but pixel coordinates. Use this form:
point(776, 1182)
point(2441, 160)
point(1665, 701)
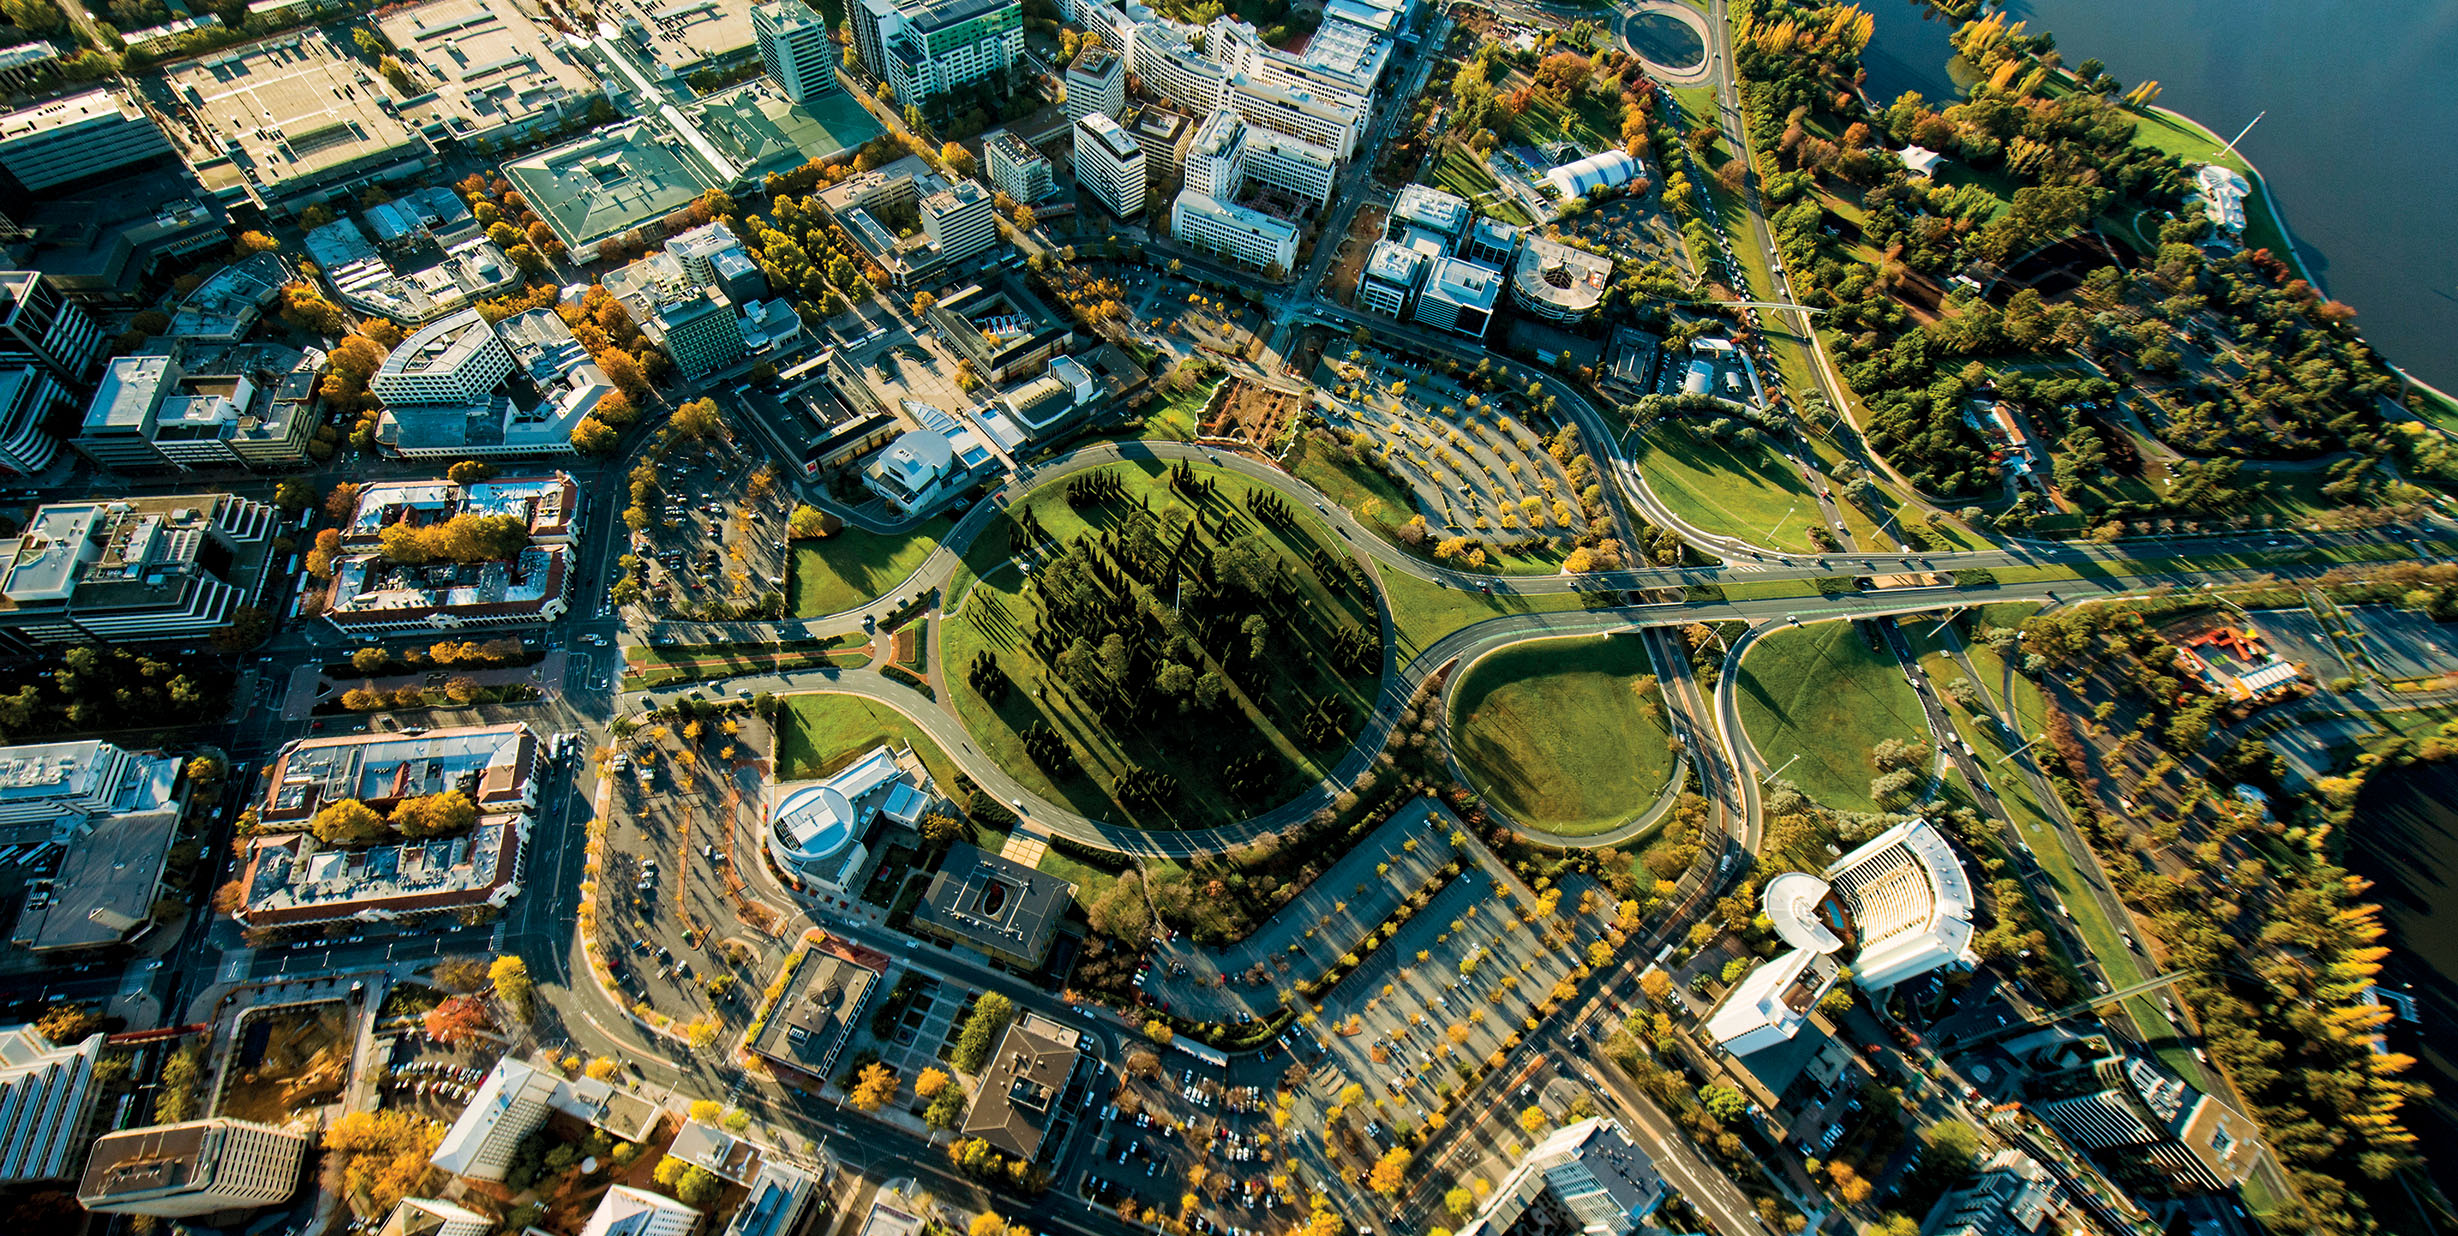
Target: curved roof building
point(815, 828)
point(1895, 908)
point(1610, 169)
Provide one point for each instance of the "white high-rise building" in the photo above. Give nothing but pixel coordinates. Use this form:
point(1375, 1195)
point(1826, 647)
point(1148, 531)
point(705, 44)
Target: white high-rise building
point(1235, 232)
point(454, 359)
point(1109, 164)
point(1096, 82)
point(426, 1216)
point(927, 49)
point(1019, 171)
point(794, 48)
point(512, 1103)
point(962, 219)
point(46, 1094)
point(626, 1211)
point(202, 1167)
point(1216, 158)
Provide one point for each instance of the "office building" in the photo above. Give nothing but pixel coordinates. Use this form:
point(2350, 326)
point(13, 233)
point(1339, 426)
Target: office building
point(1899, 905)
point(1428, 210)
point(78, 138)
point(2012, 1196)
point(167, 568)
point(101, 243)
point(201, 1167)
point(679, 40)
point(1216, 156)
point(1586, 1178)
point(516, 1100)
point(608, 183)
point(982, 901)
point(512, 1103)
point(2143, 1124)
point(960, 220)
point(427, 1216)
point(1559, 282)
point(826, 989)
point(1096, 84)
point(1459, 296)
point(29, 393)
point(240, 407)
point(781, 1196)
point(455, 359)
point(484, 72)
point(700, 332)
point(794, 49)
point(930, 48)
point(1238, 233)
point(115, 814)
point(1109, 165)
point(626, 1211)
point(1391, 277)
point(46, 1103)
point(372, 594)
point(929, 464)
point(288, 121)
point(37, 320)
point(1018, 170)
point(1002, 328)
point(1023, 1088)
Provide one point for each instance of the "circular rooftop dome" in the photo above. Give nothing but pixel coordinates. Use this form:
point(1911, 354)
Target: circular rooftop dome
point(814, 823)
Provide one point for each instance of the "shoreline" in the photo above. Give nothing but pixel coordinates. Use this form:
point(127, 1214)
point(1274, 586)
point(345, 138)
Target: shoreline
point(2294, 255)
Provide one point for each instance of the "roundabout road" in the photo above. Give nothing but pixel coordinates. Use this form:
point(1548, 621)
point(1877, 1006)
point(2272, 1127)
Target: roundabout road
point(1736, 799)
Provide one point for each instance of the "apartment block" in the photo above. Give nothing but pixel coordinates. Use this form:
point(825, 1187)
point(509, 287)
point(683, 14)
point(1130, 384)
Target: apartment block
point(1109, 164)
point(795, 50)
point(1018, 170)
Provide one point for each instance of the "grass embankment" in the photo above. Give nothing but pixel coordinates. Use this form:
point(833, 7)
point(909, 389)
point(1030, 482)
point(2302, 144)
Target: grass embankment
point(854, 567)
point(1748, 492)
point(1383, 507)
point(819, 733)
point(649, 668)
point(1822, 694)
point(1423, 612)
point(1196, 749)
point(1567, 735)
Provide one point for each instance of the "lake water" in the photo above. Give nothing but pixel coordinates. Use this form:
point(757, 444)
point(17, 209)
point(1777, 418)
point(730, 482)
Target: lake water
point(2359, 143)
point(2405, 840)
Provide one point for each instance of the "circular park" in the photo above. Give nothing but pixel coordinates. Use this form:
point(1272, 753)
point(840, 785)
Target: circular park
point(1166, 646)
point(1566, 736)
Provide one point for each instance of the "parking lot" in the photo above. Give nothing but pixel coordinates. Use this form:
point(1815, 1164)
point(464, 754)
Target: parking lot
point(2403, 645)
point(675, 916)
point(1475, 469)
point(719, 536)
point(1173, 1128)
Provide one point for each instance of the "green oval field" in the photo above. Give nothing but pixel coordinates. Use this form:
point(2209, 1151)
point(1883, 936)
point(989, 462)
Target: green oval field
point(1566, 735)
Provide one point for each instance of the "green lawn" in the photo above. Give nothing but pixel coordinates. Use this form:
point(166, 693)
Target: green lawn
point(2187, 139)
point(650, 667)
point(1746, 492)
point(1195, 748)
point(818, 734)
point(1422, 612)
point(1383, 507)
point(1820, 693)
point(841, 572)
point(1459, 171)
point(1561, 734)
point(1178, 417)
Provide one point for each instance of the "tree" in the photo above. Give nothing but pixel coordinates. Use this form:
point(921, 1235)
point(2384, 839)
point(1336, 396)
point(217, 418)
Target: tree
point(875, 1085)
point(699, 419)
point(1724, 1102)
point(1533, 1118)
point(470, 472)
point(704, 1111)
point(67, 1025)
point(591, 436)
point(460, 974)
point(1121, 913)
point(383, 1154)
point(980, 1035)
point(600, 1068)
point(958, 159)
point(702, 1033)
point(510, 976)
point(434, 815)
point(371, 660)
point(808, 523)
point(1389, 1173)
point(348, 822)
point(456, 1020)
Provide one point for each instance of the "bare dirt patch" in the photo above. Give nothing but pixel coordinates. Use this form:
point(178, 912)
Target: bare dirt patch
point(1255, 413)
